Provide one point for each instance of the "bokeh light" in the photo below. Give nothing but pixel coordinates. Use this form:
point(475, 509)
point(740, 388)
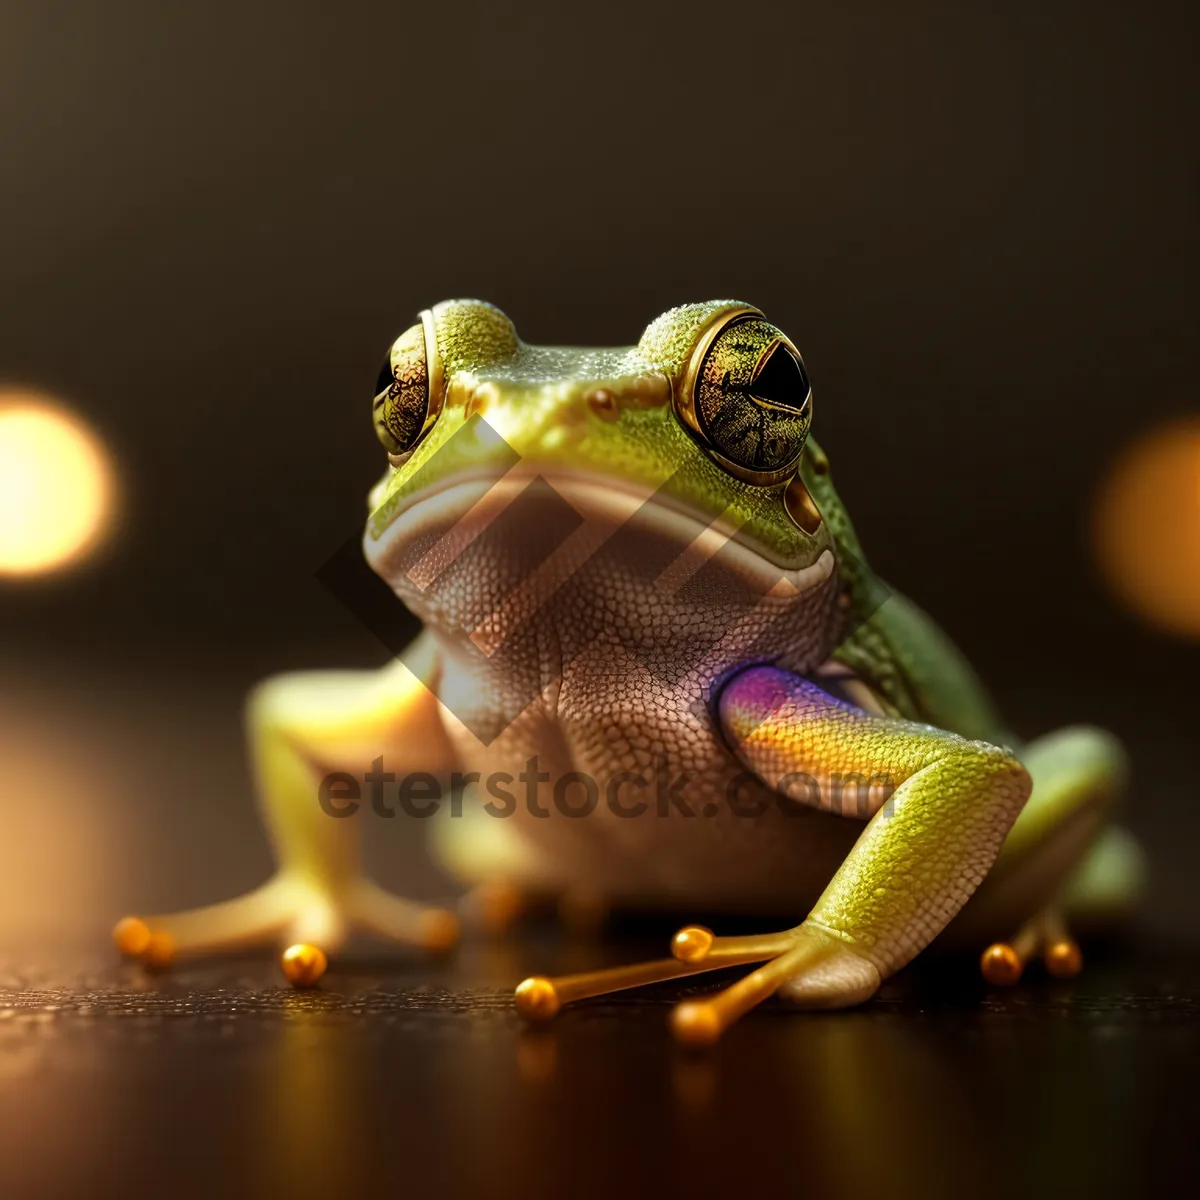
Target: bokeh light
point(56, 486)
point(1147, 527)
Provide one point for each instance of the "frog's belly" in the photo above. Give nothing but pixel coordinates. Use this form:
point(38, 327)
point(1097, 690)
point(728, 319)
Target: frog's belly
point(604, 714)
point(742, 865)
point(746, 853)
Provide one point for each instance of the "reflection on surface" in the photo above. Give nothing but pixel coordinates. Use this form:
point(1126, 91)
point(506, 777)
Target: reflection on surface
point(419, 1078)
point(871, 1112)
point(306, 1129)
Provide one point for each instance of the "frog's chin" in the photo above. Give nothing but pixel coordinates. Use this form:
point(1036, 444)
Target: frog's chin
point(444, 520)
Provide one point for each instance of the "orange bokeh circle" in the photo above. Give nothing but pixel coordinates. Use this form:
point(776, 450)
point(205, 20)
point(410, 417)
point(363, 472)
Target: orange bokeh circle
point(1146, 527)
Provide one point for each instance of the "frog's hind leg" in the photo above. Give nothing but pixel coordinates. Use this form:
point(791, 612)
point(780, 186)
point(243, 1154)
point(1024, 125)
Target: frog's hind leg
point(1062, 861)
point(302, 729)
point(1106, 888)
point(491, 862)
point(1097, 897)
point(1003, 963)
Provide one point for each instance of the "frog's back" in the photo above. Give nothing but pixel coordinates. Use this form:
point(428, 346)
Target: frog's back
point(893, 646)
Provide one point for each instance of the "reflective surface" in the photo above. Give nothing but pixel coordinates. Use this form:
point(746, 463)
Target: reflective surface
point(421, 1078)
point(127, 791)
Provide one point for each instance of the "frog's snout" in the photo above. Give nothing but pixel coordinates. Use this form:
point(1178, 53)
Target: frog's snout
point(539, 409)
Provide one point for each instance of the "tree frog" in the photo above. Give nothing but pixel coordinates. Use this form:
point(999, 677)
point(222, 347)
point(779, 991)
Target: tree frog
point(657, 671)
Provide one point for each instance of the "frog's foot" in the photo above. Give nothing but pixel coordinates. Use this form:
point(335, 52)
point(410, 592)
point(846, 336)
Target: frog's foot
point(1003, 963)
point(434, 930)
point(311, 922)
point(492, 906)
point(253, 919)
point(807, 965)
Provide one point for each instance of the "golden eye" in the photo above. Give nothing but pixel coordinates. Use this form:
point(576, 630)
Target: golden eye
point(408, 392)
point(746, 397)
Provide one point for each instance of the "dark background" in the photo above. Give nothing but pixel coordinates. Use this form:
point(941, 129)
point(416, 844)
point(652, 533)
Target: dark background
point(977, 222)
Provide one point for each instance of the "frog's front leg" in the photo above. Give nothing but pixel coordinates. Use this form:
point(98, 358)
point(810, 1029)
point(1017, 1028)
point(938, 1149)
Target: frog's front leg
point(302, 728)
point(917, 861)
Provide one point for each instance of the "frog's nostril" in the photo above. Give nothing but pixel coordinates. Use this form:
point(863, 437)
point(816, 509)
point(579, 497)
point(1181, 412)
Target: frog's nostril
point(651, 389)
point(603, 403)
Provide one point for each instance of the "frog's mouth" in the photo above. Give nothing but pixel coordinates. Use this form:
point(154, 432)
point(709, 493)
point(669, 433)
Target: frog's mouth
point(434, 527)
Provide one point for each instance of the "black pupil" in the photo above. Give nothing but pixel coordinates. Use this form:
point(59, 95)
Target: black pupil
point(781, 380)
point(386, 378)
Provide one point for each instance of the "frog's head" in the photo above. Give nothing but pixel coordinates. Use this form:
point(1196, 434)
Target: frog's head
point(695, 434)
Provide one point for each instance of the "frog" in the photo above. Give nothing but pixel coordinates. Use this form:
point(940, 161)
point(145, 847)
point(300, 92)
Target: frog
point(660, 674)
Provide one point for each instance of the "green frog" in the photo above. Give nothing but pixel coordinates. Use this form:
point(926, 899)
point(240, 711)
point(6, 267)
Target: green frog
point(656, 671)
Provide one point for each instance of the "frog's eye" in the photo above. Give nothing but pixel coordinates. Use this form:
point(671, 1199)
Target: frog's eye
point(745, 397)
point(408, 392)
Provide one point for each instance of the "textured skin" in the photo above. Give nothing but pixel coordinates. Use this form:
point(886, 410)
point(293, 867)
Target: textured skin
point(928, 844)
point(602, 660)
point(601, 594)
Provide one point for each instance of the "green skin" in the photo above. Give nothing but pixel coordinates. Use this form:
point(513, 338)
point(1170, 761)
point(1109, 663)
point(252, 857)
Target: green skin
point(860, 682)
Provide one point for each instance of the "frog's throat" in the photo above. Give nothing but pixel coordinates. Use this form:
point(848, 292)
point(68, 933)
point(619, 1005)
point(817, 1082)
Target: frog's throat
point(463, 508)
